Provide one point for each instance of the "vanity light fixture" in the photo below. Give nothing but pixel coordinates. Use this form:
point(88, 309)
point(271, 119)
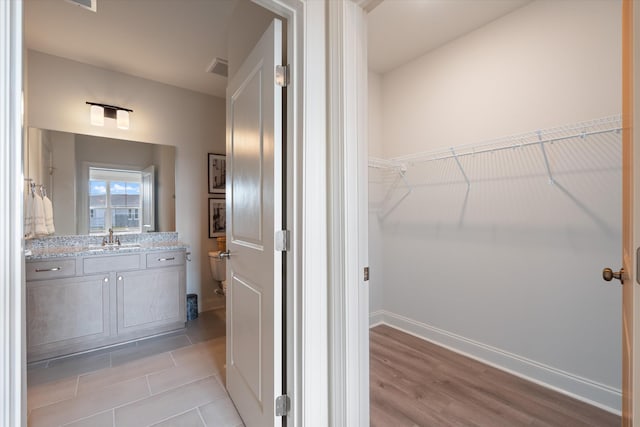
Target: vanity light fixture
point(100, 111)
point(97, 115)
point(122, 119)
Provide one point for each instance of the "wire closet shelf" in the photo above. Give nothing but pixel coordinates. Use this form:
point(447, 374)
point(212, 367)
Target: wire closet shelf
point(394, 169)
point(538, 137)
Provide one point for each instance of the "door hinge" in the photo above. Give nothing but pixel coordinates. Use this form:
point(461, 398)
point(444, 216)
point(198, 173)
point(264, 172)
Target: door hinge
point(282, 240)
point(366, 274)
point(283, 404)
point(283, 75)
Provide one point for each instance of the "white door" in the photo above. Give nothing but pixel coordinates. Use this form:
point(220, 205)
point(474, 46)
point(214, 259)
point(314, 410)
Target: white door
point(254, 214)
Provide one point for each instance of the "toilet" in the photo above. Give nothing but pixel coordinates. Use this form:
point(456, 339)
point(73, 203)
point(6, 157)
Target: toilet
point(218, 269)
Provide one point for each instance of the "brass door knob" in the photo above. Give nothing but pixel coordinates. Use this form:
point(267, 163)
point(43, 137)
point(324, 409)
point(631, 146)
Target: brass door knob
point(608, 274)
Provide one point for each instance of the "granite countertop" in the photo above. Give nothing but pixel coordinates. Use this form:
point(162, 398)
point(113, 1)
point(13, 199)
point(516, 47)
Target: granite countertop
point(91, 246)
point(73, 251)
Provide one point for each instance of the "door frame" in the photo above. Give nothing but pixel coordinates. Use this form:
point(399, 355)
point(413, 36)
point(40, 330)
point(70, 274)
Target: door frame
point(307, 367)
point(631, 213)
point(348, 213)
point(12, 313)
point(636, 219)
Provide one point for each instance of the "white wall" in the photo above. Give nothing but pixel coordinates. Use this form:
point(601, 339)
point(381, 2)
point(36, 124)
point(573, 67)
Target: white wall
point(547, 64)
point(511, 271)
point(192, 122)
point(376, 262)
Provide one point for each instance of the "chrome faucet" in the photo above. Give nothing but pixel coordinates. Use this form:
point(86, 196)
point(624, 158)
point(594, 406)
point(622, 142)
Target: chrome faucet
point(110, 241)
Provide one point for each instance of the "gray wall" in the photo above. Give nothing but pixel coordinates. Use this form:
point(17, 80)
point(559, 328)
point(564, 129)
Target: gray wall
point(64, 182)
point(164, 160)
point(511, 271)
point(248, 22)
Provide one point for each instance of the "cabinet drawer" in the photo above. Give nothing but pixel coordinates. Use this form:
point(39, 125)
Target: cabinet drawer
point(105, 264)
point(50, 269)
point(165, 259)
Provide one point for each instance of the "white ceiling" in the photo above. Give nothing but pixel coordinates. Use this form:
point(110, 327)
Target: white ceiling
point(169, 41)
point(174, 41)
point(403, 30)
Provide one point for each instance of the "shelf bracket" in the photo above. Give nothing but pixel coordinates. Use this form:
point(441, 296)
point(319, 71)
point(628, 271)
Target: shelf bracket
point(455, 156)
point(401, 177)
point(544, 156)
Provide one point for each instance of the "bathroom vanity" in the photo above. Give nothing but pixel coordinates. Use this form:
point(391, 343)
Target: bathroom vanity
point(82, 296)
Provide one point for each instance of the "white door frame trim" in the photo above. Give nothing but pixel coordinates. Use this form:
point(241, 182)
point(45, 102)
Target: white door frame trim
point(307, 368)
point(348, 215)
point(12, 337)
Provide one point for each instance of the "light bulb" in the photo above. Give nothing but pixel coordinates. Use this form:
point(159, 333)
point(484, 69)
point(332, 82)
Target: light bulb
point(122, 119)
point(97, 115)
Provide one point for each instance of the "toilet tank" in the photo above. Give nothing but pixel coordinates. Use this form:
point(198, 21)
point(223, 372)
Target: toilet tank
point(218, 266)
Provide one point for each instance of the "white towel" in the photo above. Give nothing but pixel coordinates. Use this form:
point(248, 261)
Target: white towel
point(28, 216)
point(39, 228)
point(48, 215)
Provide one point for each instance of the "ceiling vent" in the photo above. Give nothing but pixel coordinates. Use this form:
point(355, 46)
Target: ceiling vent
point(91, 5)
point(219, 66)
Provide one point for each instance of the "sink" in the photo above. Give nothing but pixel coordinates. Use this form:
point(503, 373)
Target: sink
point(112, 247)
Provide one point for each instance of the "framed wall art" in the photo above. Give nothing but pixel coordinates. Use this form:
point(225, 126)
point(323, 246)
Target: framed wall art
point(217, 218)
point(217, 167)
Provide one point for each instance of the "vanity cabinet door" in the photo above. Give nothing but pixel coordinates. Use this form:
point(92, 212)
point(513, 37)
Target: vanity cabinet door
point(66, 315)
point(150, 299)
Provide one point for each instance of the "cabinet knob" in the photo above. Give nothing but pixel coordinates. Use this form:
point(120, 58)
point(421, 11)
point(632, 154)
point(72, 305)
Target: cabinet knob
point(106, 279)
point(120, 278)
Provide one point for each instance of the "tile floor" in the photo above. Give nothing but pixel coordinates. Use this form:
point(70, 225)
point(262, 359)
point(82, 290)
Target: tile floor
point(172, 380)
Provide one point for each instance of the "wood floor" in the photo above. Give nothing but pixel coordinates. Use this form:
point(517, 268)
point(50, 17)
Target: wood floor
point(416, 383)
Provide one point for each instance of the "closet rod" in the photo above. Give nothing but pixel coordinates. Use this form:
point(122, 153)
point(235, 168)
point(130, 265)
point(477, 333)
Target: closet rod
point(611, 124)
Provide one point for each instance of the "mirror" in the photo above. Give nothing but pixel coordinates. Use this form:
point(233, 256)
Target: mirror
point(92, 182)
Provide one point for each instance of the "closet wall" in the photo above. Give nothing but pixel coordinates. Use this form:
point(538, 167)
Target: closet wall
point(376, 193)
point(508, 269)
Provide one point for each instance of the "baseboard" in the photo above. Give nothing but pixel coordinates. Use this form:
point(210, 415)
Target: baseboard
point(212, 303)
point(376, 318)
point(591, 392)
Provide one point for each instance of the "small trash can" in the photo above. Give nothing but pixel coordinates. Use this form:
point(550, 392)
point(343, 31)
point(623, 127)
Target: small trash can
point(192, 306)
